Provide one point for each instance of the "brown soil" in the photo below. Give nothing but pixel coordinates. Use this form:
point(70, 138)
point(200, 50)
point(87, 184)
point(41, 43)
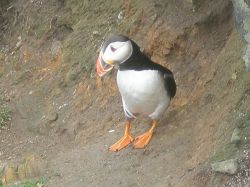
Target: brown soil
point(63, 113)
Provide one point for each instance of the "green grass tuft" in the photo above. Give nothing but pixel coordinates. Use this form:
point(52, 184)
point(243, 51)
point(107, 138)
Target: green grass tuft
point(32, 183)
point(4, 114)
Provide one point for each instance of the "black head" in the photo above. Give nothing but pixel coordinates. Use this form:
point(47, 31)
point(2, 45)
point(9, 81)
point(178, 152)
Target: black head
point(116, 50)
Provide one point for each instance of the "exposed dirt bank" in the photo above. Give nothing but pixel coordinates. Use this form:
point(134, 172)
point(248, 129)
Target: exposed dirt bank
point(63, 114)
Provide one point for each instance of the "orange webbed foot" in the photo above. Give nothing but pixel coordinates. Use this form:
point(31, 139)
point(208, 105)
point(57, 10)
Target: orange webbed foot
point(122, 143)
point(141, 141)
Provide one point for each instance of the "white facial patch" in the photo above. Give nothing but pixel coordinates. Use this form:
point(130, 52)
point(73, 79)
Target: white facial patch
point(118, 52)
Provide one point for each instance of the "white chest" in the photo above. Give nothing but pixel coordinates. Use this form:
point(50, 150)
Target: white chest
point(143, 92)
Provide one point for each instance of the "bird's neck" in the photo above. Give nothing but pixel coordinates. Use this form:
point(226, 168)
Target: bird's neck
point(138, 61)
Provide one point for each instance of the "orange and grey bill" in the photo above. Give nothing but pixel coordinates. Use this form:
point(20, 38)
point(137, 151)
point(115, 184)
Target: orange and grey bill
point(101, 67)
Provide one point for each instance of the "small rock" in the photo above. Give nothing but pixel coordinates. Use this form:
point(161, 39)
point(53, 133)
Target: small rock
point(96, 33)
point(234, 76)
point(240, 123)
point(49, 122)
point(120, 15)
point(236, 139)
point(166, 52)
point(18, 44)
point(227, 166)
point(52, 117)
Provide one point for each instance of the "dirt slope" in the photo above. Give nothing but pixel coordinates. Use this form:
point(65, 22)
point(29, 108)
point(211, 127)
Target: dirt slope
point(63, 113)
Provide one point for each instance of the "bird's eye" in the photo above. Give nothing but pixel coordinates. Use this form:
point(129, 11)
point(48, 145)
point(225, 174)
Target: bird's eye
point(112, 48)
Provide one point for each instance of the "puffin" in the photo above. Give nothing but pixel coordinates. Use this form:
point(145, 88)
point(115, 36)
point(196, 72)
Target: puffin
point(146, 87)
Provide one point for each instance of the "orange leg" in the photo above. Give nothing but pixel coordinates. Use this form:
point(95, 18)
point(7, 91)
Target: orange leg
point(143, 140)
point(124, 141)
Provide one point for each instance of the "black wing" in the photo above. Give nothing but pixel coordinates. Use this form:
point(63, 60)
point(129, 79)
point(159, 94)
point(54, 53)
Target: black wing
point(168, 76)
point(170, 84)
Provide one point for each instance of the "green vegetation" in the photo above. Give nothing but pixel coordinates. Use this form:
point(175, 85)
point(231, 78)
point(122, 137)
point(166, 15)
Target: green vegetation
point(31, 183)
point(4, 114)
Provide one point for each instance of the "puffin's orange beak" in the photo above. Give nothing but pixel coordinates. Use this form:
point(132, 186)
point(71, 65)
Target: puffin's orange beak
point(102, 67)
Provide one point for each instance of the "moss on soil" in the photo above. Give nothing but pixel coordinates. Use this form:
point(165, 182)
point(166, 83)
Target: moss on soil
point(239, 94)
point(4, 113)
